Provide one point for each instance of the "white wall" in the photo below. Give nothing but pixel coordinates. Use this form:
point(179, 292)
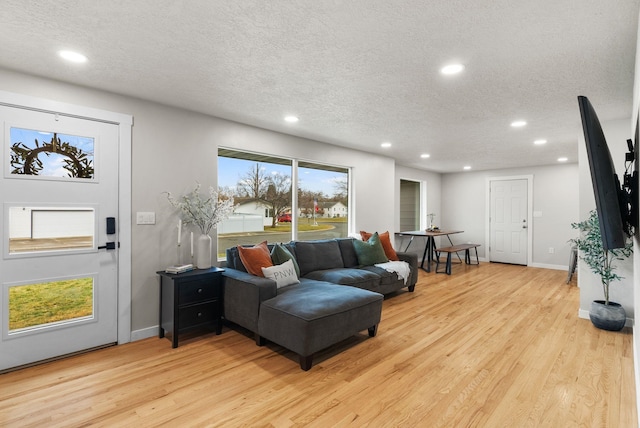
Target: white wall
point(174, 148)
point(555, 195)
point(616, 132)
point(636, 242)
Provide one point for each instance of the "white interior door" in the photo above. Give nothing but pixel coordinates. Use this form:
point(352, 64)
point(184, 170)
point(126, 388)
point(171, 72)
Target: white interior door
point(59, 184)
point(509, 221)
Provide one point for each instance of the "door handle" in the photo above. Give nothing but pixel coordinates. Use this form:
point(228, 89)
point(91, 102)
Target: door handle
point(108, 246)
point(524, 226)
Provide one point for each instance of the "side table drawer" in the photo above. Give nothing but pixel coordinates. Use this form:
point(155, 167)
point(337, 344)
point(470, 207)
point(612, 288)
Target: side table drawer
point(204, 313)
point(198, 290)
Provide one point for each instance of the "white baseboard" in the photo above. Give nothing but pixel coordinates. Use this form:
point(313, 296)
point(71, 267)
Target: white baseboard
point(549, 266)
point(636, 365)
point(144, 333)
point(583, 313)
point(535, 265)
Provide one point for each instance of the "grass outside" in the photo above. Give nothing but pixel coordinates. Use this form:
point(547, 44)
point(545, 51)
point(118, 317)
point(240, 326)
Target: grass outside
point(306, 225)
point(48, 302)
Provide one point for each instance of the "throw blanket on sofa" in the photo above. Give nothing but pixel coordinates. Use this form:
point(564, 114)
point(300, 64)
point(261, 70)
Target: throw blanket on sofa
point(402, 269)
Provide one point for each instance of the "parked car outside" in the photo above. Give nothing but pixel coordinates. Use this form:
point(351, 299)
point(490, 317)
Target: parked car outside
point(284, 218)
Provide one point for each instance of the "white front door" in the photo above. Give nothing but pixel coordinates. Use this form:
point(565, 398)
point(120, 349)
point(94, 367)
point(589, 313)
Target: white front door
point(59, 185)
point(509, 221)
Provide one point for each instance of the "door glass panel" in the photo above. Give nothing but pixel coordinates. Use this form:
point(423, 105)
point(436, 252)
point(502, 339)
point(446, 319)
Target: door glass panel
point(35, 305)
point(43, 229)
point(51, 154)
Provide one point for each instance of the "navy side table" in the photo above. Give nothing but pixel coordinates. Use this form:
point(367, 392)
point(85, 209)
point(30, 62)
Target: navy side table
point(190, 300)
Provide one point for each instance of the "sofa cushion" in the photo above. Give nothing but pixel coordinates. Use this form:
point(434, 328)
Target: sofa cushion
point(360, 278)
point(280, 254)
point(283, 274)
point(233, 260)
point(349, 256)
point(255, 258)
point(370, 252)
point(386, 277)
point(385, 240)
point(318, 255)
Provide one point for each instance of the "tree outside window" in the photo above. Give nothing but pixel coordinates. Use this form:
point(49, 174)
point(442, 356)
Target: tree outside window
point(262, 188)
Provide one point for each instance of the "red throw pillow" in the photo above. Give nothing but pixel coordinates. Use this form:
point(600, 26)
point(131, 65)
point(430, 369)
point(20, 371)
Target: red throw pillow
point(255, 258)
point(385, 240)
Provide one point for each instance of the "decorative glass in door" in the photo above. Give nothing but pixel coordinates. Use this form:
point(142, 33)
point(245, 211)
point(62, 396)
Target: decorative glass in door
point(50, 154)
point(56, 228)
point(46, 303)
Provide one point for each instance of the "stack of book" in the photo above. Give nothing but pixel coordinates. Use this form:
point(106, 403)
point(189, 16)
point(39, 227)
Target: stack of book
point(179, 269)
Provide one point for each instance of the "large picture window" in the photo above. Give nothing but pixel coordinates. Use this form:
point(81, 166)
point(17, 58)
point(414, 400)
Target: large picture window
point(263, 187)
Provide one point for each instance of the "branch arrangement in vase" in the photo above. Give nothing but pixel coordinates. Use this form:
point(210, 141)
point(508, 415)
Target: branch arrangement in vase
point(205, 212)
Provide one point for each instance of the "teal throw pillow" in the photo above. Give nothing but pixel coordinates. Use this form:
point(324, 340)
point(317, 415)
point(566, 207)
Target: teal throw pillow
point(370, 252)
point(280, 254)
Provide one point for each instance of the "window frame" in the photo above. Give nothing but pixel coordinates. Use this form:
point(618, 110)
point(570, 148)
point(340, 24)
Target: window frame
point(296, 164)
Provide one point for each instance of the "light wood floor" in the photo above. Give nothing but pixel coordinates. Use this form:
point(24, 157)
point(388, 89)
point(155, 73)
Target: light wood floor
point(489, 346)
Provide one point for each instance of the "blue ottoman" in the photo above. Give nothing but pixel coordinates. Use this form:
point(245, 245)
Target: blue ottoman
point(315, 315)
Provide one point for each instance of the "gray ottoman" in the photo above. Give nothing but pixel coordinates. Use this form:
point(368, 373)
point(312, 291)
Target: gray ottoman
point(310, 317)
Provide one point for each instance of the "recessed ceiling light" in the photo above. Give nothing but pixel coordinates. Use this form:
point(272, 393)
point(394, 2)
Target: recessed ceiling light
point(540, 142)
point(291, 119)
point(518, 123)
point(385, 145)
point(563, 159)
point(72, 56)
point(425, 155)
point(452, 69)
point(467, 167)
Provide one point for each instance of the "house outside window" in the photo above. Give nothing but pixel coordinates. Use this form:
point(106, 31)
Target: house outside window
point(265, 210)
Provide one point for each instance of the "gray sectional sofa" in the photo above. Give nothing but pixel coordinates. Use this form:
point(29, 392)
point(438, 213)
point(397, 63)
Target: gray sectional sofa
point(335, 299)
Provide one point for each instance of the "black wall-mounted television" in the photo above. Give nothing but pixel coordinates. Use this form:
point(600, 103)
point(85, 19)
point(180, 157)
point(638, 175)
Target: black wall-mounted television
point(616, 204)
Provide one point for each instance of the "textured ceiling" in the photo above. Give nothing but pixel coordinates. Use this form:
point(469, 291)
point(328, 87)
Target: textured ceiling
point(357, 73)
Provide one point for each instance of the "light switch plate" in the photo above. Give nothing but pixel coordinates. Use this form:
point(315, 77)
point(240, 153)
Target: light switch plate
point(145, 218)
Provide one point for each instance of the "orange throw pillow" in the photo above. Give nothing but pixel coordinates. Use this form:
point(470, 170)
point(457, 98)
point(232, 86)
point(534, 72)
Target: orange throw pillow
point(255, 258)
point(385, 240)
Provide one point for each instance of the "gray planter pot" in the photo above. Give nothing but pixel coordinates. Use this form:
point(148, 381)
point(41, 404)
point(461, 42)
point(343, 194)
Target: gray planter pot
point(607, 317)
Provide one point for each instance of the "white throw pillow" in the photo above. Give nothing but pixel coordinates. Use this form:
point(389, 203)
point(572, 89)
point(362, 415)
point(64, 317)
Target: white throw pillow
point(283, 275)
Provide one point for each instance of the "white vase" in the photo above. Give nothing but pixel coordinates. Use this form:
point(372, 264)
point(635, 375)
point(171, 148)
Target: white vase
point(203, 252)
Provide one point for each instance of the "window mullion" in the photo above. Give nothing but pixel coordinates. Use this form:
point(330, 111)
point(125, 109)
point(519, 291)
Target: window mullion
point(294, 199)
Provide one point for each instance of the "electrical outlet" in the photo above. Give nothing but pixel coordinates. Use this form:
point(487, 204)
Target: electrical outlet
point(552, 250)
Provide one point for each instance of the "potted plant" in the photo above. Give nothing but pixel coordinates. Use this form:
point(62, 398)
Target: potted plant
point(204, 212)
point(604, 314)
